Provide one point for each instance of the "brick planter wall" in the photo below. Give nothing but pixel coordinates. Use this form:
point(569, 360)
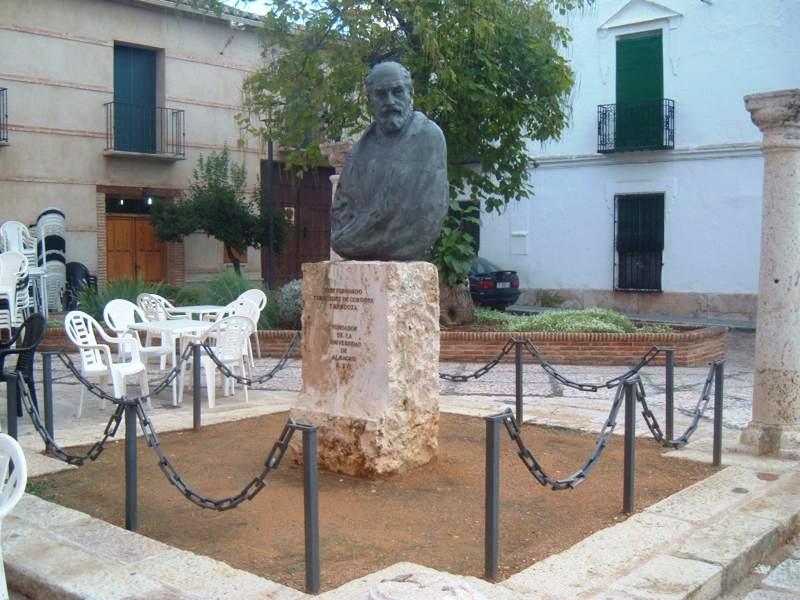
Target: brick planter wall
point(693, 347)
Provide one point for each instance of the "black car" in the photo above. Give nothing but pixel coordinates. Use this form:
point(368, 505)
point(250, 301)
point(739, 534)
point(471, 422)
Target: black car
point(492, 286)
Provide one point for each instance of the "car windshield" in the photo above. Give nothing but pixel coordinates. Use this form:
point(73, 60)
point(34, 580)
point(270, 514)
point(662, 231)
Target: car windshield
point(482, 266)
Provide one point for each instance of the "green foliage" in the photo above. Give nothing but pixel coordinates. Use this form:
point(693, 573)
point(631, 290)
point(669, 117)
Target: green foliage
point(454, 252)
point(593, 320)
point(93, 302)
point(216, 204)
point(290, 304)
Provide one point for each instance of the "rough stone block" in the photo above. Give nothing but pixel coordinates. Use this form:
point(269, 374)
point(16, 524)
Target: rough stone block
point(785, 577)
point(669, 578)
point(370, 364)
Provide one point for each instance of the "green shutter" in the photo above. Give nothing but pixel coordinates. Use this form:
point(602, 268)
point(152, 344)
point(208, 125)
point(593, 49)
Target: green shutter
point(134, 99)
point(640, 91)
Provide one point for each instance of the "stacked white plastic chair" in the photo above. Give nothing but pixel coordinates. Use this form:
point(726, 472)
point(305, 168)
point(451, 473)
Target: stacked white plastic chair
point(14, 298)
point(258, 298)
point(96, 359)
point(12, 486)
point(16, 236)
point(50, 229)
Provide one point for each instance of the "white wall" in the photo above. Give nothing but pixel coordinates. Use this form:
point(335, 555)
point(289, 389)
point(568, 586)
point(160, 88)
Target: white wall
point(563, 236)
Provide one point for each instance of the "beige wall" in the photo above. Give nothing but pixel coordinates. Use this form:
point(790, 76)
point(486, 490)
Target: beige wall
point(57, 65)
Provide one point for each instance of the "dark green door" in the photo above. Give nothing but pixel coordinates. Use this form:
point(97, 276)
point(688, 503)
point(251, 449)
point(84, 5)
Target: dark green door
point(640, 91)
point(134, 99)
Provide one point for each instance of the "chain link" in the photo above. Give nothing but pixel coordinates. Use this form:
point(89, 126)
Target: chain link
point(579, 476)
point(247, 493)
point(697, 414)
point(251, 381)
point(51, 445)
point(484, 369)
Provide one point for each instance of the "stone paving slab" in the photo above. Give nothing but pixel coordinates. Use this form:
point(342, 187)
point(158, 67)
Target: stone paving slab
point(785, 577)
point(666, 577)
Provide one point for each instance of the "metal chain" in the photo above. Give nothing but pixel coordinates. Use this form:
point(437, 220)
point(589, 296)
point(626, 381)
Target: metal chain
point(589, 387)
point(697, 414)
point(484, 369)
point(51, 445)
point(250, 381)
point(579, 476)
point(248, 492)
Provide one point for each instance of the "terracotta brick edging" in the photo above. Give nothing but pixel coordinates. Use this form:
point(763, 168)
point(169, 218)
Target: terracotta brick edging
point(693, 347)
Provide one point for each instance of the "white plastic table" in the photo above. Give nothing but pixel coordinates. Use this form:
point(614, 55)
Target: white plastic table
point(201, 310)
point(178, 329)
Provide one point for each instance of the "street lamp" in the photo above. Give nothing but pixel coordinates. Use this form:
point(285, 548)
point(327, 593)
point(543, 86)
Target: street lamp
point(267, 202)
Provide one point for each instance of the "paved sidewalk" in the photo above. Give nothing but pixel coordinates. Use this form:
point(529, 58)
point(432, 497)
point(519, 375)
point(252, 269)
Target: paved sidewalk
point(696, 544)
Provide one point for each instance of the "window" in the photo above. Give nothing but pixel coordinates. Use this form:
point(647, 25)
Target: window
point(640, 91)
point(639, 241)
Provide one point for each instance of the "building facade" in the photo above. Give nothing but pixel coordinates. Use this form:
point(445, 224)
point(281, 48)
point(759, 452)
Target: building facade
point(651, 200)
point(109, 104)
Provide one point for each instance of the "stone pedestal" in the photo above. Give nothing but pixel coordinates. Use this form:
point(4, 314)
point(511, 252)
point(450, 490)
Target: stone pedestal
point(775, 428)
point(370, 364)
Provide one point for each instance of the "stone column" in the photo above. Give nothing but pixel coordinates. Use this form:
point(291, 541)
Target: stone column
point(336, 153)
point(775, 428)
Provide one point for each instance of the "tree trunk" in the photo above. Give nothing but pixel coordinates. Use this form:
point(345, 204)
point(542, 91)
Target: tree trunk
point(455, 305)
point(234, 260)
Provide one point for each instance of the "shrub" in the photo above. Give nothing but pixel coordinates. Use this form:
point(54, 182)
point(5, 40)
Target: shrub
point(290, 304)
point(593, 320)
point(93, 302)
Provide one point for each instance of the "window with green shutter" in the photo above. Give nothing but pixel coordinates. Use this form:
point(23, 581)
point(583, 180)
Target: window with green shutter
point(134, 99)
point(640, 91)
point(639, 241)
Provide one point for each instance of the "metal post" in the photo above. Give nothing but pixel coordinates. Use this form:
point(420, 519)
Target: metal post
point(196, 405)
point(670, 394)
point(271, 220)
point(11, 405)
point(492, 509)
point(131, 516)
point(719, 375)
point(311, 508)
point(630, 447)
point(518, 359)
point(47, 381)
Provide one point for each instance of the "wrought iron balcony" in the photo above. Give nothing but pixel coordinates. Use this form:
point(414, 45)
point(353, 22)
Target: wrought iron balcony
point(3, 116)
point(155, 130)
point(630, 127)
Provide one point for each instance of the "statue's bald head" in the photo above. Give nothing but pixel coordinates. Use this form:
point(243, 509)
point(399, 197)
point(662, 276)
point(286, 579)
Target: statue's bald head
point(389, 91)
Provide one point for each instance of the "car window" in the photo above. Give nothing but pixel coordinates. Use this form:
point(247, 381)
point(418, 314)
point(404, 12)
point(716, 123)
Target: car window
point(482, 266)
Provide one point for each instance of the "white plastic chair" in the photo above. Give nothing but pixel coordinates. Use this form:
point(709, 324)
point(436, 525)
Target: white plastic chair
point(13, 285)
point(96, 359)
point(15, 236)
point(119, 315)
point(242, 307)
point(51, 223)
point(169, 308)
point(228, 339)
point(12, 486)
point(259, 298)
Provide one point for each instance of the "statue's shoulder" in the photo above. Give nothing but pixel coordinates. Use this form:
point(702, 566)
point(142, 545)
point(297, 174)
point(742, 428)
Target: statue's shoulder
point(422, 125)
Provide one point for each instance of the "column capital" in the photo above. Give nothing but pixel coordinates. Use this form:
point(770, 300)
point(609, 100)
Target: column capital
point(336, 153)
point(777, 115)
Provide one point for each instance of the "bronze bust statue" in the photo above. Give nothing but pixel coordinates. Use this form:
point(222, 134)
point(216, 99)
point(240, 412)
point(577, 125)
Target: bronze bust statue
point(393, 192)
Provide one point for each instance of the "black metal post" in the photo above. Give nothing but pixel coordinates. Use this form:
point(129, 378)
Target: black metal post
point(630, 447)
point(47, 382)
point(12, 390)
point(719, 375)
point(131, 513)
point(267, 204)
point(670, 394)
point(311, 508)
point(492, 496)
point(518, 372)
point(196, 405)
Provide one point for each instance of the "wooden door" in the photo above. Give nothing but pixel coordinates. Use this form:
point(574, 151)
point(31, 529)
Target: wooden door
point(132, 249)
point(309, 236)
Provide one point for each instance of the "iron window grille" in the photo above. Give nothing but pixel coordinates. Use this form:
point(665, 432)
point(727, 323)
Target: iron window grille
point(639, 242)
point(632, 127)
point(145, 129)
point(3, 115)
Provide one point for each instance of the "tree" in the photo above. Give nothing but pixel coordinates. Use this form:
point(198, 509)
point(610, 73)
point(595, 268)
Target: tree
point(217, 204)
point(488, 72)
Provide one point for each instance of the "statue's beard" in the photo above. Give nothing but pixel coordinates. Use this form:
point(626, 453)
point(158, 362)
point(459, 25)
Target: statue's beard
point(392, 120)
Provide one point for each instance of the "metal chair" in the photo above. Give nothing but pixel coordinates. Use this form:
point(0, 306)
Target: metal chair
point(259, 298)
point(13, 479)
point(28, 337)
point(96, 359)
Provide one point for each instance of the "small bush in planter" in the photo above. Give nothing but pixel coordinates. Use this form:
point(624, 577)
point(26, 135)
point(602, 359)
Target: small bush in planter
point(93, 302)
point(290, 304)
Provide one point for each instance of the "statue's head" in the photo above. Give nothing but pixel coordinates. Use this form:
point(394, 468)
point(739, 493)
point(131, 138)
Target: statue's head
point(389, 91)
